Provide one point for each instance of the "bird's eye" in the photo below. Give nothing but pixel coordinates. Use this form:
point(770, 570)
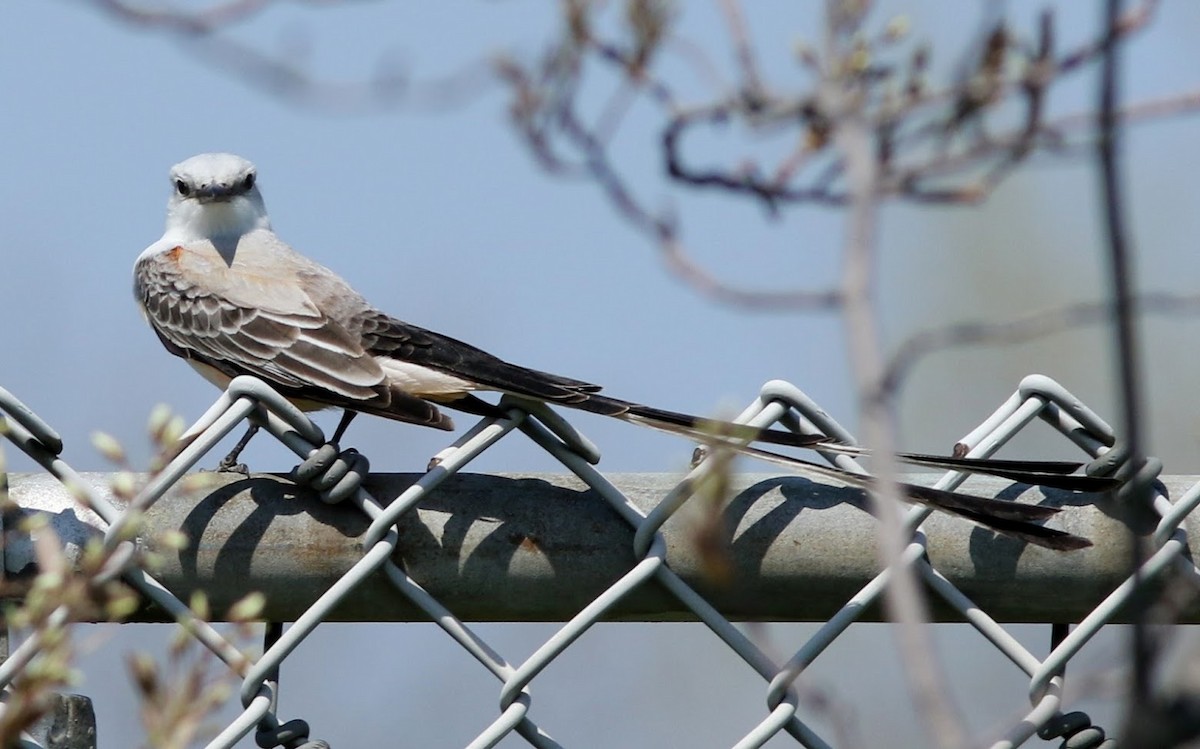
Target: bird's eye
point(182, 188)
point(248, 183)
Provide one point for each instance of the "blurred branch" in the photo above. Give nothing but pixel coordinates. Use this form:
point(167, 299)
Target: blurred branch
point(915, 130)
point(1027, 328)
point(88, 587)
point(531, 115)
point(169, 17)
point(949, 144)
point(904, 595)
point(952, 144)
point(744, 48)
point(1125, 331)
point(920, 134)
point(205, 34)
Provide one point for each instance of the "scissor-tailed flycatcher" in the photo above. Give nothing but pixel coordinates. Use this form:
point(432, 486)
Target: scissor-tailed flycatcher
point(225, 293)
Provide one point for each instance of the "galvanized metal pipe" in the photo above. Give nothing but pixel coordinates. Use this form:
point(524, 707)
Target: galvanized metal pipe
point(539, 548)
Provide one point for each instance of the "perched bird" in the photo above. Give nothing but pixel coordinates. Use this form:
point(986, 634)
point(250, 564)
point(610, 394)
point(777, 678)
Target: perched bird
point(225, 293)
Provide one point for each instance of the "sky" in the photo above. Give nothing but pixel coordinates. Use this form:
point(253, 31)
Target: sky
point(443, 219)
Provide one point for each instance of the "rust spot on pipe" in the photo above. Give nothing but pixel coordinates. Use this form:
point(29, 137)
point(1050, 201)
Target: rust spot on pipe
point(525, 542)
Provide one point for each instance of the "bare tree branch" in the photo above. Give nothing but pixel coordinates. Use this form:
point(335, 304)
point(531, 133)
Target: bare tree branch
point(743, 48)
point(1125, 333)
point(933, 144)
point(391, 87)
point(1024, 329)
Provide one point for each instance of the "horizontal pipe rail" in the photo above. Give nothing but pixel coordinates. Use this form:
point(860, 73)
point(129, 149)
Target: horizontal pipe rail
point(538, 547)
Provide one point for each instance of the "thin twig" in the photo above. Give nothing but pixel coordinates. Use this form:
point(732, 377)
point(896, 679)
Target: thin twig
point(1129, 380)
point(1024, 329)
point(743, 49)
point(903, 596)
point(207, 21)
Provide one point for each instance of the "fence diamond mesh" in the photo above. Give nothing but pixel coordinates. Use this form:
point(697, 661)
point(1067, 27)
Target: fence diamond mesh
point(337, 476)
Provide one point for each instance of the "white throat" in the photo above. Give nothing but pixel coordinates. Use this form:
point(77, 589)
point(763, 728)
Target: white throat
point(190, 220)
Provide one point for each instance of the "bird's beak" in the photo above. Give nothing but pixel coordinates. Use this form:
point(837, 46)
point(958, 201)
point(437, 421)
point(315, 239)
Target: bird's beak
point(213, 193)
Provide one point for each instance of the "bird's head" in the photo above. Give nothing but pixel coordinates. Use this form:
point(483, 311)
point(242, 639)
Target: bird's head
point(215, 196)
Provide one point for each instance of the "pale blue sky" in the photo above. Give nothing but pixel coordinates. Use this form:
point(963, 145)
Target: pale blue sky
point(444, 220)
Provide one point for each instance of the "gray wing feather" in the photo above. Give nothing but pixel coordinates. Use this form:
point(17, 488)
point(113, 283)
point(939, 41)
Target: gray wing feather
point(256, 324)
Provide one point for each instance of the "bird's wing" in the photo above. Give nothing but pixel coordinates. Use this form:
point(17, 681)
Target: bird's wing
point(386, 336)
point(264, 324)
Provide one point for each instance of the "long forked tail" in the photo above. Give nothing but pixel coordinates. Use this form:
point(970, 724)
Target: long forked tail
point(1010, 518)
point(1048, 473)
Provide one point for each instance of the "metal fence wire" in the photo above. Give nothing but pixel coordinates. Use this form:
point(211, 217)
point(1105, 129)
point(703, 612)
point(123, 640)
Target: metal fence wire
point(338, 476)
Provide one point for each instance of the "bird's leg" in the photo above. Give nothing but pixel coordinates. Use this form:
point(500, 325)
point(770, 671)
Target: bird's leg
point(347, 417)
point(229, 462)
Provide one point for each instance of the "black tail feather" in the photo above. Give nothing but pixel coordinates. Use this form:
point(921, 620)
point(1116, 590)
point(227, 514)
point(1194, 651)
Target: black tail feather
point(1010, 518)
point(1053, 474)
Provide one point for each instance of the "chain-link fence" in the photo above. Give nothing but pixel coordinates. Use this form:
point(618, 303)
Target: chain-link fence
point(338, 478)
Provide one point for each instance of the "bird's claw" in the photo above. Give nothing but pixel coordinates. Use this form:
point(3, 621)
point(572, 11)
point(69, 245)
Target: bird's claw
point(333, 473)
point(228, 466)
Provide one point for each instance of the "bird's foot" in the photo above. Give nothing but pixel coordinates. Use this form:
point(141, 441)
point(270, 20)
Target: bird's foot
point(231, 466)
point(335, 474)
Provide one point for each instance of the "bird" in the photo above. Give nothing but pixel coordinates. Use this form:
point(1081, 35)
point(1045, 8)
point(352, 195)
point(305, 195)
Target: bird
point(222, 291)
